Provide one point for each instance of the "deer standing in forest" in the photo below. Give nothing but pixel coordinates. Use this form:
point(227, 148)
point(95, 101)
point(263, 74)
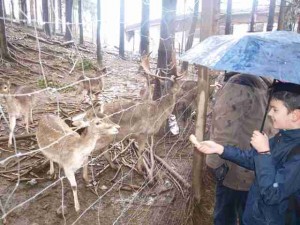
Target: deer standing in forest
point(19, 105)
point(138, 120)
point(60, 144)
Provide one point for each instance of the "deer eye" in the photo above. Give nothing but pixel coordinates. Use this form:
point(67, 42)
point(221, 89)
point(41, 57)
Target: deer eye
point(5, 87)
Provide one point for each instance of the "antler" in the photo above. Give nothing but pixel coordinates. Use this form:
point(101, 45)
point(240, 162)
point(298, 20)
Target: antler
point(145, 64)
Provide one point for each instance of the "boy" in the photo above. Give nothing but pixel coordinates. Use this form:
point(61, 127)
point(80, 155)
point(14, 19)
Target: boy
point(275, 162)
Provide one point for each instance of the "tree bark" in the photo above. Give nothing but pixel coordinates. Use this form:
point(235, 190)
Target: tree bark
point(12, 9)
point(32, 11)
point(122, 30)
point(59, 5)
point(80, 21)
point(253, 16)
point(166, 44)
point(228, 27)
point(69, 6)
point(272, 8)
point(190, 40)
point(23, 12)
point(3, 43)
point(46, 17)
point(99, 52)
point(144, 45)
point(53, 19)
point(281, 15)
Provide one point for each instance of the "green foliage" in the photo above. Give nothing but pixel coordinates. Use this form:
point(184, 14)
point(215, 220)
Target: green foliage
point(86, 64)
point(54, 84)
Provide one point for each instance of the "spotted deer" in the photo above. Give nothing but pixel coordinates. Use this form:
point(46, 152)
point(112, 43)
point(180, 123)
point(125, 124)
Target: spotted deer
point(19, 105)
point(138, 120)
point(60, 144)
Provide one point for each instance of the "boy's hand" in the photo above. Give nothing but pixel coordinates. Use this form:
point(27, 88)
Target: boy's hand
point(207, 147)
point(260, 142)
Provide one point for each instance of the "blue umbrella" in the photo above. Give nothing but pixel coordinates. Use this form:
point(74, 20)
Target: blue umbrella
point(274, 54)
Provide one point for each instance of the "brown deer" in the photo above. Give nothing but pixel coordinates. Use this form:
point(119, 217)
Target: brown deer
point(18, 104)
point(60, 144)
point(139, 120)
point(91, 86)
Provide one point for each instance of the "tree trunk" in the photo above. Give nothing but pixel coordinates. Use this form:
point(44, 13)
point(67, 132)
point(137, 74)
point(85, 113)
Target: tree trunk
point(281, 15)
point(3, 43)
point(69, 6)
point(272, 8)
point(59, 5)
point(190, 40)
point(228, 27)
point(144, 45)
point(80, 21)
point(253, 16)
point(122, 30)
point(23, 12)
point(166, 43)
point(298, 28)
point(53, 19)
point(35, 12)
point(12, 9)
point(99, 52)
point(46, 17)
point(32, 12)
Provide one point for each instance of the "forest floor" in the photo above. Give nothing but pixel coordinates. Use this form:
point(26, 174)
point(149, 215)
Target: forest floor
point(29, 197)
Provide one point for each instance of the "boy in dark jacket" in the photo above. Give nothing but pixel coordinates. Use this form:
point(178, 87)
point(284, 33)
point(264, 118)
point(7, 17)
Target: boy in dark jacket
point(276, 166)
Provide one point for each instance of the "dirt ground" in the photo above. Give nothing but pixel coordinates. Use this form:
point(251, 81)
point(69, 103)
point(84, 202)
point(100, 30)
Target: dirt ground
point(29, 197)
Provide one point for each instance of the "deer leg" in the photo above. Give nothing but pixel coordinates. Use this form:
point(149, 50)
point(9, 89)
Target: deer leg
point(71, 177)
point(26, 118)
point(141, 143)
point(12, 125)
point(111, 163)
point(85, 171)
point(31, 117)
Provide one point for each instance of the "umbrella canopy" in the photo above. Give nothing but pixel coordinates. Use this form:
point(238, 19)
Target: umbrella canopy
point(274, 54)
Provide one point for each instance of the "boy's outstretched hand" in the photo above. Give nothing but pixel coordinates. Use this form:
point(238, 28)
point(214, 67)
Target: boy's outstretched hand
point(260, 142)
point(207, 147)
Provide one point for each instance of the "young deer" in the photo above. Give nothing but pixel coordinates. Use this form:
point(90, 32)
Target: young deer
point(66, 147)
point(92, 86)
point(138, 120)
point(17, 106)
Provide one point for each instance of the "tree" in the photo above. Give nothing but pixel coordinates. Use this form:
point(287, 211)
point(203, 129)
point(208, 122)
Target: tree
point(69, 6)
point(23, 11)
point(12, 9)
point(80, 21)
point(99, 53)
point(3, 43)
point(53, 19)
point(144, 45)
point(59, 6)
point(122, 30)
point(190, 40)
point(281, 15)
point(32, 11)
point(253, 15)
point(272, 7)
point(228, 26)
point(166, 43)
point(46, 17)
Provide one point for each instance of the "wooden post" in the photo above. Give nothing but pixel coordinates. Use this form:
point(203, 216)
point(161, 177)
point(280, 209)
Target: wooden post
point(208, 28)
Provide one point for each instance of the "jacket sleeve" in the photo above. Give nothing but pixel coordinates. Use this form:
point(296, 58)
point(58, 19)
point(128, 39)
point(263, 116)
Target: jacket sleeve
point(244, 158)
point(275, 186)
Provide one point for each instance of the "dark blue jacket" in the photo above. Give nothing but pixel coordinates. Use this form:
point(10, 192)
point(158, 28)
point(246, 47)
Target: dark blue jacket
point(276, 178)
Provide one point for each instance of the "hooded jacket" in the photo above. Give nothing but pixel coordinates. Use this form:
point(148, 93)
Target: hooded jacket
point(276, 178)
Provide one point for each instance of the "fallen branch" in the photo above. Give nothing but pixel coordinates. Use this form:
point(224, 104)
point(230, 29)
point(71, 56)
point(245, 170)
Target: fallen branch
point(39, 38)
point(173, 172)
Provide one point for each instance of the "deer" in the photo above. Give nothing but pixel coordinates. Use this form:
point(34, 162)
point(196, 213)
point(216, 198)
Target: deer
point(60, 144)
point(91, 86)
point(19, 105)
point(139, 120)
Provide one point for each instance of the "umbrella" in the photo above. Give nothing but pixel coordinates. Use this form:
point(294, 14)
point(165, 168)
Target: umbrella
point(274, 54)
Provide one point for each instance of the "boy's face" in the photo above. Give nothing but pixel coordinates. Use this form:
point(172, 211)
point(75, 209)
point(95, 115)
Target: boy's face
point(281, 117)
